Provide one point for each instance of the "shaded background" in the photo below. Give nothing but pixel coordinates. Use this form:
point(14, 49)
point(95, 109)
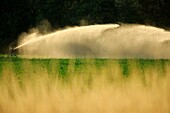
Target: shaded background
point(17, 16)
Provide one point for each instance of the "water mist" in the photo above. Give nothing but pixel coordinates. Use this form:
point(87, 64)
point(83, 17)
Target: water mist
point(98, 41)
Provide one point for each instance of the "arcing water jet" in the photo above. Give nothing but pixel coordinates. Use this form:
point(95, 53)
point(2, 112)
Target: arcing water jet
point(99, 41)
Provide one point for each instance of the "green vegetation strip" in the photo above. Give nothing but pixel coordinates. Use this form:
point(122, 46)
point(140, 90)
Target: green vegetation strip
point(124, 65)
point(1, 67)
point(61, 67)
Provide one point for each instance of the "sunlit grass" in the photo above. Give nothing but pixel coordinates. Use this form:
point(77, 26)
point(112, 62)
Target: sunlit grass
point(84, 86)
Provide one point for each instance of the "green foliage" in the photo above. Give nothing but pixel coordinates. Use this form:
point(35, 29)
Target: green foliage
point(125, 68)
point(18, 68)
point(66, 68)
point(162, 66)
point(142, 64)
point(1, 66)
point(42, 64)
point(100, 62)
point(79, 65)
point(17, 65)
point(63, 66)
point(35, 62)
point(48, 65)
point(149, 64)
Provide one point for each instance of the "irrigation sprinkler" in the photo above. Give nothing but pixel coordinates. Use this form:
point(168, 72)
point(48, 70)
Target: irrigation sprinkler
point(12, 52)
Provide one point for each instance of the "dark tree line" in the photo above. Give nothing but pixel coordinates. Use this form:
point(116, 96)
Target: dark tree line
point(17, 16)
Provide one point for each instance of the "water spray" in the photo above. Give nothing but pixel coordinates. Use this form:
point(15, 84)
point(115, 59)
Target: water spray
point(99, 41)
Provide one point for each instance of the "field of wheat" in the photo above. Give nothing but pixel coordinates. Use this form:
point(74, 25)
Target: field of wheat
point(84, 85)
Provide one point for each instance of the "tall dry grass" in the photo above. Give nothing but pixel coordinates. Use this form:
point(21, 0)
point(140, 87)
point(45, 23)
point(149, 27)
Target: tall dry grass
point(90, 89)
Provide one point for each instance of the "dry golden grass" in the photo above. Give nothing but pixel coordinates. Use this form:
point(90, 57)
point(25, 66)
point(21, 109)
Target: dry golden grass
point(104, 91)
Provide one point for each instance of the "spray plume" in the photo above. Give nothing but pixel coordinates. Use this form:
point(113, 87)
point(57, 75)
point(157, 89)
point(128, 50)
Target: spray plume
point(99, 41)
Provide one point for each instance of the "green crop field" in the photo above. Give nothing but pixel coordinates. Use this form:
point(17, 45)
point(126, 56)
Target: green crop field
point(84, 85)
